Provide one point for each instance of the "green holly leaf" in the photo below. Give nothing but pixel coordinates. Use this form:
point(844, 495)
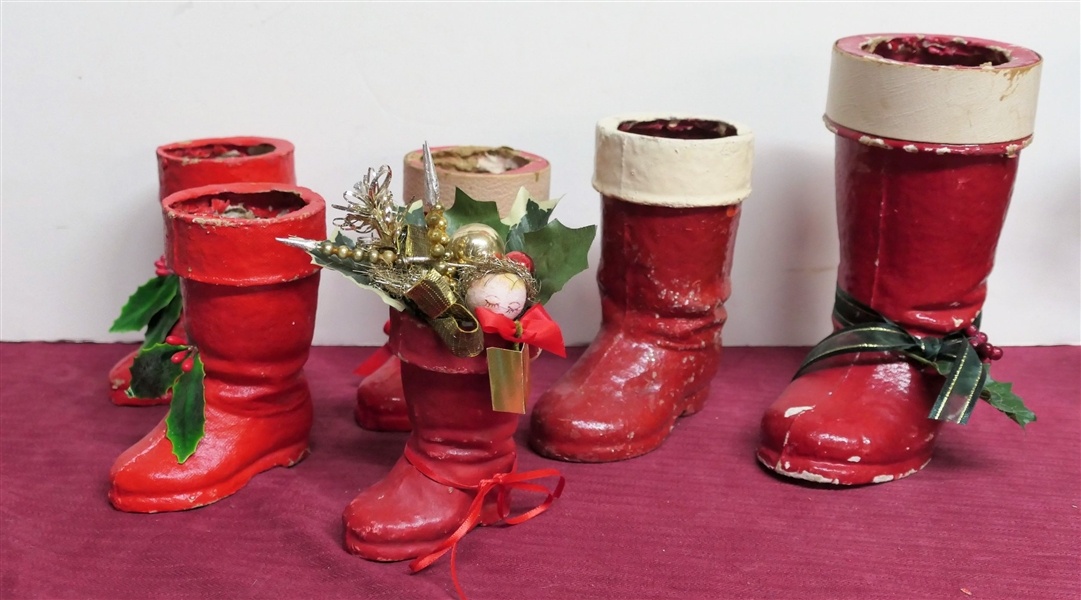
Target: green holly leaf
point(558, 253)
point(534, 218)
point(467, 210)
point(184, 426)
point(1000, 395)
point(151, 297)
point(152, 372)
point(414, 215)
point(163, 322)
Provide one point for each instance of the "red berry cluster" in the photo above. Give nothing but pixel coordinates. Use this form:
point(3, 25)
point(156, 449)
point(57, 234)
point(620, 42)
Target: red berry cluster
point(186, 356)
point(984, 349)
point(159, 267)
point(521, 258)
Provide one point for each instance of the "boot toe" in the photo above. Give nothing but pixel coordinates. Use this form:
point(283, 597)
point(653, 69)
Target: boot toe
point(381, 400)
point(403, 515)
point(849, 425)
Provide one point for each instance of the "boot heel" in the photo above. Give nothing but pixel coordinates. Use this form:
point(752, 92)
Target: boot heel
point(695, 402)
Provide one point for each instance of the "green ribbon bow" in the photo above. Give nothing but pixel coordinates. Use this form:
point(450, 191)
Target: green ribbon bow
point(967, 377)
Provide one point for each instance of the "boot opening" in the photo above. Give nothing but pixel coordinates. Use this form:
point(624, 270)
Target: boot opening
point(216, 151)
point(479, 159)
point(230, 205)
point(934, 50)
point(680, 129)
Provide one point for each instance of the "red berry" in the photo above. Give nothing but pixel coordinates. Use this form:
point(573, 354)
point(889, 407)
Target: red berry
point(188, 364)
point(973, 342)
point(179, 356)
point(996, 353)
point(174, 340)
point(981, 336)
point(386, 328)
point(971, 331)
point(984, 350)
point(521, 258)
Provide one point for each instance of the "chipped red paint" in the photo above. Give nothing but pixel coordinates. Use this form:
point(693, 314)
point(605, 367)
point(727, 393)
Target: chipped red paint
point(918, 233)
point(456, 435)
point(184, 165)
point(249, 308)
point(663, 278)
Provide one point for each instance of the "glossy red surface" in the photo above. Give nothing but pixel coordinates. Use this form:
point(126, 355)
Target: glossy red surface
point(381, 400)
point(185, 165)
point(253, 329)
point(456, 435)
point(918, 233)
point(663, 278)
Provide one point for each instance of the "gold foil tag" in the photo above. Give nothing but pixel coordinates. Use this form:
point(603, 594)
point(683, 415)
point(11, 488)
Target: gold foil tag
point(508, 373)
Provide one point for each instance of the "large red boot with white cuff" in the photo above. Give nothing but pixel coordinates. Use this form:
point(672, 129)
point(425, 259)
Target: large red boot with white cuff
point(249, 311)
point(486, 174)
point(671, 191)
point(195, 163)
point(928, 134)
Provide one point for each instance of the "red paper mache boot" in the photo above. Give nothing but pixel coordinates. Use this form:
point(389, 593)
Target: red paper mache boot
point(467, 291)
point(249, 313)
point(671, 190)
point(928, 134)
point(485, 174)
point(184, 165)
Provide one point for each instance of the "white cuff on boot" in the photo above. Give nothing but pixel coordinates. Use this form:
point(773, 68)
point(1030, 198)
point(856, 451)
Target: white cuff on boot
point(680, 173)
point(935, 103)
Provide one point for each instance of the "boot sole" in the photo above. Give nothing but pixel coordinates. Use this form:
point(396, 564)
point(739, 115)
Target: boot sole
point(834, 473)
point(139, 503)
point(624, 450)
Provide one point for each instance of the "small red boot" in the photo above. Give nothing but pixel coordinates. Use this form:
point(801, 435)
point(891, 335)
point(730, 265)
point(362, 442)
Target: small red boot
point(671, 189)
point(459, 448)
point(928, 132)
point(249, 310)
point(380, 400)
point(196, 163)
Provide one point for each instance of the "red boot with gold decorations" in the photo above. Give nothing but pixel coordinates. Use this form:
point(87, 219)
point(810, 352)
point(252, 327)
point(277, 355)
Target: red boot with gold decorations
point(240, 403)
point(486, 174)
point(671, 189)
point(928, 134)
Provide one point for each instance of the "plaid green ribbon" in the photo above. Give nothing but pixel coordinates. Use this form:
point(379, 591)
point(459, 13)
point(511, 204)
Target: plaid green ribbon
point(865, 330)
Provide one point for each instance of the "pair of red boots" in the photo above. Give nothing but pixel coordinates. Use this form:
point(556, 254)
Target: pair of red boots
point(922, 194)
point(249, 313)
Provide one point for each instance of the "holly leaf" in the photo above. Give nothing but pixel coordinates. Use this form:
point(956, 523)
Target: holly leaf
point(141, 306)
point(184, 426)
point(1000, 395)
point(467, 210)
point(558, 253)
point(163, 322)
point(152, 372)
point(414, 215)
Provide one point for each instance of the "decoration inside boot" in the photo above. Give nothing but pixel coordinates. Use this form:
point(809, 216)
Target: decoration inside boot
point(680, 129)
point(216, 151)
point(479, 159)
point(262, 205)
point(946, 52)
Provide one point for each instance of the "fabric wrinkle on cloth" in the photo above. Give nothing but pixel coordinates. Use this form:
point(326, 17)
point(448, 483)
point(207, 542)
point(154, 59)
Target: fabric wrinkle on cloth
point(994, 514)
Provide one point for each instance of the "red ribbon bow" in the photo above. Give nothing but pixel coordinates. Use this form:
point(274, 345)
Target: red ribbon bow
point(538, 329)
point(502, 483)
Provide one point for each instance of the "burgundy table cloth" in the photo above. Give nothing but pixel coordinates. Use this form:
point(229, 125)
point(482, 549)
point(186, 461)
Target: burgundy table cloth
point(994, 515)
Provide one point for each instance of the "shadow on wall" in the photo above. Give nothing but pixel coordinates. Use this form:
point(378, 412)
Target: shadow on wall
point(786, 256)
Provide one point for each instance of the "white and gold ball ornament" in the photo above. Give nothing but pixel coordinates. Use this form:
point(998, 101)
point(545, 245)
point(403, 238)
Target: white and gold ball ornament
point(501, 293)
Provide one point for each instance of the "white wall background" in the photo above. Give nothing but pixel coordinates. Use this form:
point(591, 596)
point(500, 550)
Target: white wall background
point(89, 90)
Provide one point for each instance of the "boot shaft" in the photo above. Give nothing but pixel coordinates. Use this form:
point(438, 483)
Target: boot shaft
point(215, 161)
point(671, 190)
point(455, 431)
point(928, 133)
point(249, 301)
